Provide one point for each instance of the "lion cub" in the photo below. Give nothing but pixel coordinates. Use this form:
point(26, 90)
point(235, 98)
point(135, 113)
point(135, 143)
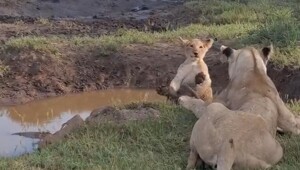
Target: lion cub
point(192, 75)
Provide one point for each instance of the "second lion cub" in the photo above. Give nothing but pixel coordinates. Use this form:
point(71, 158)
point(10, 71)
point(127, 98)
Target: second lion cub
point(192, 75)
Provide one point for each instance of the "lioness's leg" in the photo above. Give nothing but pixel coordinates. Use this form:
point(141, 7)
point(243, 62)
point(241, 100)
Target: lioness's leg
point(197, 106)
point(226, 156)
point(262, 151)
point(221, 98)
point(253, 162)
point(192, 160)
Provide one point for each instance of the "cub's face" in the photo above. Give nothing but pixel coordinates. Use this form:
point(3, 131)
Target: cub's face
point(196, 48)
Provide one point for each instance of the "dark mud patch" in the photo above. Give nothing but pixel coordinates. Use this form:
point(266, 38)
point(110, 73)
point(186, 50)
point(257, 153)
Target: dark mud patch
point(287, 81)
point(77, 9)
point(26, 26)
point(159, 16)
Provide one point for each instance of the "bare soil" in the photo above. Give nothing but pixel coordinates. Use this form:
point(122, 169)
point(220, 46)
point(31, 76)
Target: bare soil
point(135, 65)
point(89, 17)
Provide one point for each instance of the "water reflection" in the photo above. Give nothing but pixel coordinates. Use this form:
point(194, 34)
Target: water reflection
point(50, 114)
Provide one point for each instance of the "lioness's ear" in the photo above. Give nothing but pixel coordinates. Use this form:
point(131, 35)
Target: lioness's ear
point(184, 41)
point(208, 43)
point(267, 52)
point(227, 51)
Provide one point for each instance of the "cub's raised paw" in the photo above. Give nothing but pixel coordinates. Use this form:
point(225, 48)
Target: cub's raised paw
point(199, 78)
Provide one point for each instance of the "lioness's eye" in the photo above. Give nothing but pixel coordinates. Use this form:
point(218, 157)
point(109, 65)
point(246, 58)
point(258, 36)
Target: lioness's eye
point(191, 45)
point(201, 47)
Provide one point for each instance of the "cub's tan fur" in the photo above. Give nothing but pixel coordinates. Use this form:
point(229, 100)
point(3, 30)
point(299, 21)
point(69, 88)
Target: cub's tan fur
point(244, 136)
point(193, 67)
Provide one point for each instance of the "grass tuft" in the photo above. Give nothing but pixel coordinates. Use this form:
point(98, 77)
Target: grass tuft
point(33, 43)
point(3, 69)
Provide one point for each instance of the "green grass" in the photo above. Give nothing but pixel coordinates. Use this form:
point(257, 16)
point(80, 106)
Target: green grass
point(153, 144)
point(106, 45)
point(239, 11)
point(277, 23)
point(32, 43)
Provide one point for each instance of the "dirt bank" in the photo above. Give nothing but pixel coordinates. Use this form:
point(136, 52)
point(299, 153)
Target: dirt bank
point(137, 65)
point(90, 17)
point(33, 77)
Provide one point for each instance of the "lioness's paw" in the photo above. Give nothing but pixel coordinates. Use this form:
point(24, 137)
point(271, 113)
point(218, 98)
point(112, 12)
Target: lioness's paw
point(172, 91)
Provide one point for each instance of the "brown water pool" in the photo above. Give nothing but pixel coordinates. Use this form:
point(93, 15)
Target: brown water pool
point(50, 114)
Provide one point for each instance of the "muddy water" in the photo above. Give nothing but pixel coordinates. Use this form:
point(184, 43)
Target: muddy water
point(50, 114)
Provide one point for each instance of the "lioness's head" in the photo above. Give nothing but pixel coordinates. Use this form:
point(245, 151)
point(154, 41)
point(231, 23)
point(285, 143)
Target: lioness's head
point(246, 59)
point(196, 48)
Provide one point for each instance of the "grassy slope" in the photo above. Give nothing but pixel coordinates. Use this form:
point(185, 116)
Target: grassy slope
point(154, 144)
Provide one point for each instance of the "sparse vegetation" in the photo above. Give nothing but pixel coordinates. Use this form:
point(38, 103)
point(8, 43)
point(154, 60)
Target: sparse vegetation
point(35, 44)
point(3, 70)
point(42, 21)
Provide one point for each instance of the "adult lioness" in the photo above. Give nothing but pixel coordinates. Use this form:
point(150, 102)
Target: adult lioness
point(229, 139)
point(251, 90)
point(243, 136)
point(192, 74)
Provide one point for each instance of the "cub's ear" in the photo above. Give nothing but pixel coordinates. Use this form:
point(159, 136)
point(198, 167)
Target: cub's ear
point(208, 43)
point(267, 52)
point(227, 51)
point(183, 41)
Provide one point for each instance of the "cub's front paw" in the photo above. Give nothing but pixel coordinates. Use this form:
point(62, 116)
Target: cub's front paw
point(200, 78)
point(162, 90)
